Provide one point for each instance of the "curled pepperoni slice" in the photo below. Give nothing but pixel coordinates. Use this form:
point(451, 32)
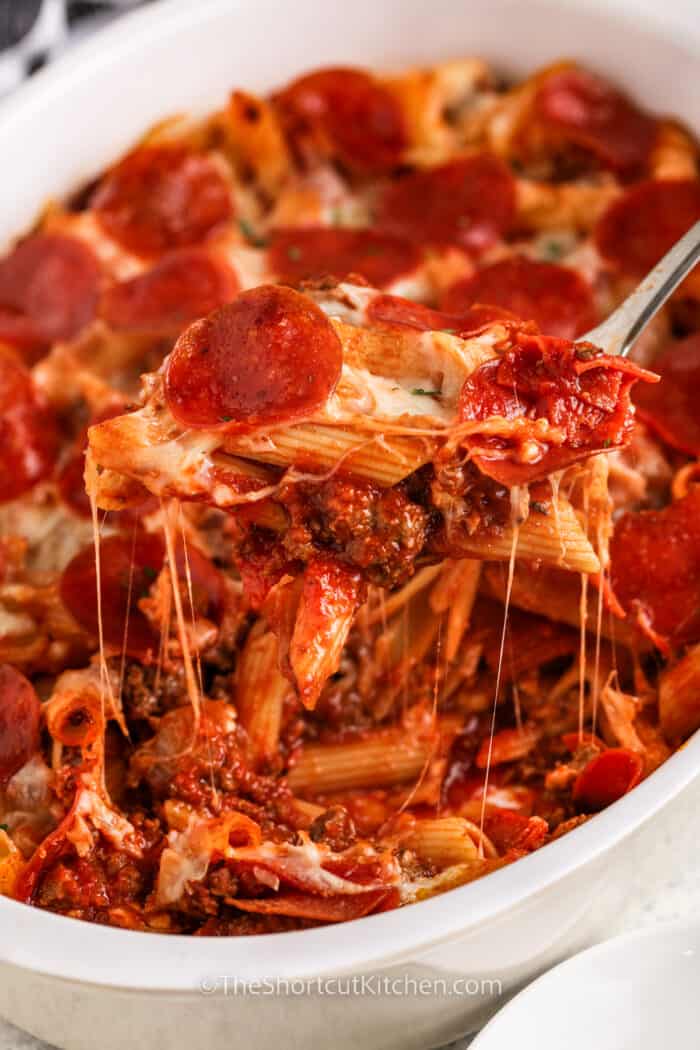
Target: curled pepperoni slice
point(162, 197)
point(639, 227)
point(20, 714)
point(395, 311)
point(587, 111)
point(128, 567)
point(468, 202)
point(655, 570)
point(344, 114)
point(48, 290)
point(557, 299)
point(28, 433)
point(583, 394)
point(671, 407)
point(380, 258)
point(268, 357)
point(181, 287)
point(607, 777)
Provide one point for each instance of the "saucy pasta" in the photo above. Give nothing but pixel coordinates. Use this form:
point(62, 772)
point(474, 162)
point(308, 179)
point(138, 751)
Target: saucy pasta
point(337, 569)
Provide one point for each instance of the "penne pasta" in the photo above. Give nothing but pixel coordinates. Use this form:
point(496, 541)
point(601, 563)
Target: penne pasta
point(253, 137)
point(260, 693)
point(455, 593)
point(12, 865)
point(321, 448)
point(679, 696)
point(546, 206)
point(428, 97)
point(553, 536)
point(447, 841)
point(388, 607)
point(383, 758)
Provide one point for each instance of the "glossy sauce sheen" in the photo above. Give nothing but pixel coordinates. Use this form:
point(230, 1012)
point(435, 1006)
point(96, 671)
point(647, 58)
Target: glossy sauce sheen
point(269, 357)
point(161, 197)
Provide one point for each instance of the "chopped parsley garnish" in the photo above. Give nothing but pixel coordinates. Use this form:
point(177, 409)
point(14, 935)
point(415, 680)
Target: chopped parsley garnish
point(225, 419)
point(541, 508)
point(149, 572)
point(607, 443)
point(249, 233)
point(294, 252)
point(552, 250)
point(4, 827)
point(418, 391)
point(449, 331)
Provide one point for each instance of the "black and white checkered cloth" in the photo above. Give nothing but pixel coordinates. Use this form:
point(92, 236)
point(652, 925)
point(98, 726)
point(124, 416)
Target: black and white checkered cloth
point(34, 31)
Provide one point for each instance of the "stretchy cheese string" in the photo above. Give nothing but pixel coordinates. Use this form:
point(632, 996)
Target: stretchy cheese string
point(169, 514)
point(106, 690)
point(492, 727)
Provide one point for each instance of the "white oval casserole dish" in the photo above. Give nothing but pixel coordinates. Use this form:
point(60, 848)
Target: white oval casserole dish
point(80, 986)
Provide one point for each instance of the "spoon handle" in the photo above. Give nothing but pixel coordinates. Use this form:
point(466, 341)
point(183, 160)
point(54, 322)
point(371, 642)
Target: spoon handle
point(617, 334)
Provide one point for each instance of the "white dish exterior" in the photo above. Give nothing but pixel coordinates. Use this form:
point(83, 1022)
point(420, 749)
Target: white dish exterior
point(77, 985)
point(636, 992)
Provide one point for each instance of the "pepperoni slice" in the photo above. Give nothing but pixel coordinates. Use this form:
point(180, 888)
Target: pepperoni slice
point(296, 254)
point(671, 408)
point(344, 114)
point(580, 391)
point(639, 227)
point(128, 568)
point(48, 290)
point(557, 299)
point(162, 197)
point(509, 830)
point(181, 287)
point(129, 565)
point(309, 906)
point(468, 202)
point(270, 356)
point(655, 573)
point(587, 111)
point(394, 311)
point(28, 432)
point(20, 714)
point(607, 777)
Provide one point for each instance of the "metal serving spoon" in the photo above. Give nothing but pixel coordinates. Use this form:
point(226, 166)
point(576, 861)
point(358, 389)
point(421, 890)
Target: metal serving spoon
point(618, 333)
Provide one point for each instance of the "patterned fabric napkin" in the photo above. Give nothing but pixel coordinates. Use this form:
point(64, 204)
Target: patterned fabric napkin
point(34, 31)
